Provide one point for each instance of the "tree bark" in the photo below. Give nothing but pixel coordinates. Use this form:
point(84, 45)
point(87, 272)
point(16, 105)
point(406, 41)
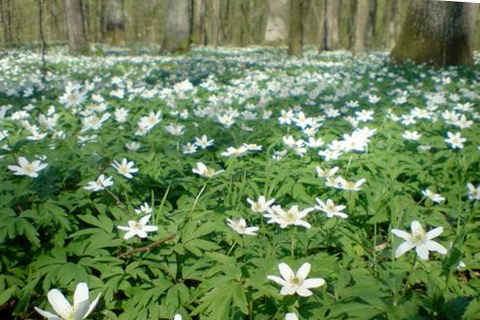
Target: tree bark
point(178, 26)
point(295, 34)
point(277, 22)
point(437, 32)
point(115, 23)
point(332, 10)
point(77, 39)
point(213, 18)
point(361, 26)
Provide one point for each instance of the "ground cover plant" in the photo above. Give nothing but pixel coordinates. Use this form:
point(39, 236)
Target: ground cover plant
point(238, 184)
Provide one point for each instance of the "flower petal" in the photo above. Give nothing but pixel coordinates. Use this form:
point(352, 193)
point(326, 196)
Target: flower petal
point(416, 227)
point(46, 314)
point(402, 234)
point(422, 251)
point(435, 246)
point(145, 219)
point(303, 271)
point(285, 271)
point(93, 305)
point(61, 306)
point(434, 233)
point(278, 280)
point(303, 292)
point(313, 283)
point(404, 247)
point(287, 290)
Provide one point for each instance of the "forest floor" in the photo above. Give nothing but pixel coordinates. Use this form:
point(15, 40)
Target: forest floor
point(211, 185)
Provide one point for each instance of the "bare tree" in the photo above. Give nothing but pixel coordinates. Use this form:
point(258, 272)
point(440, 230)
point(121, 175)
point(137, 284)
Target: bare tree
point(361, 26)
point(77, 39)
point(437, 32)
point(332, 10)
point(295, 29)
point(178, 26)
point(277, 22)
point(115, 22)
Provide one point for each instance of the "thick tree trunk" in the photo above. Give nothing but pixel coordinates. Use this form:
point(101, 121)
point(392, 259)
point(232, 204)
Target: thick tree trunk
point(332, 34)
point(361, 26)
point(277, 22)
point(178, 26)
point(77, 39)
point(295, 34)
point(115, 23)
point(437, 32)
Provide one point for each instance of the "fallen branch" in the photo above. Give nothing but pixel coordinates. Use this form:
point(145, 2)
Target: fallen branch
point(146, 248)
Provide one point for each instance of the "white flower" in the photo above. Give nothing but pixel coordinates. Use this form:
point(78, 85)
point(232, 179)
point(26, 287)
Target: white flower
point(81, 306)
point(296, 283)
point(144, 209)
point(473, 193)
point(349, 185)
point(178, 317)
point(330, 208)
point(27, 168)
point(126, 168)
point(260, 206)
point(291, 316)
point(455, 140)
point(290, 217)
point(133, 146)
point(203, 142)
point(418, 239)
point(326, 173)
point(138, 228)
point(203, 171)
point(435, 197)
point(231, 151)
point(100, 184)
point(240, 226)
point(411, 135)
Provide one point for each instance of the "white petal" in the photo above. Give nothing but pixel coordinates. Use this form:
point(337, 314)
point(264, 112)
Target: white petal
point(81, 310)
point(285, 271)
point(435, 246)
point(291, 316)
point(81, 293)
point(404, 247)
point(422, 251)
point(123, 228)
point(313, 283)
point(150, 228)
point(416, 227)
point(46, 314)
point(278, 280)
point(287, 290)
point(129, 234)
point(303, 292)
point(402, 234)
point(93, 305)
point(145, 219)
point(434, 233)
point(61, 306)
point(303, 271)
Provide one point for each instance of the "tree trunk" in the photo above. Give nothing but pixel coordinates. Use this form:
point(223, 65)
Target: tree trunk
point(77, 39)
point(332, 10)
point(178, 27)
point(115, 23)
point(361, 26)
point(277, 21)
point(213, 21)
point(436, 32)
point(295, 34)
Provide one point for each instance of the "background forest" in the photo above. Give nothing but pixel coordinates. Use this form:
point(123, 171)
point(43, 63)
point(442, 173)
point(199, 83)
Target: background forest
point(327, 24)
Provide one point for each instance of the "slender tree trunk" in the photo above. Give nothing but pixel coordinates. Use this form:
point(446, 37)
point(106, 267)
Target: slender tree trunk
point(295, 34)
point(437, 32)
point(178, 26)
point(115, 23)
point(332, 10)
point(277, 22)
point(198, 34)
point(213, 20)
point(77, 38)
point(361, 26)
